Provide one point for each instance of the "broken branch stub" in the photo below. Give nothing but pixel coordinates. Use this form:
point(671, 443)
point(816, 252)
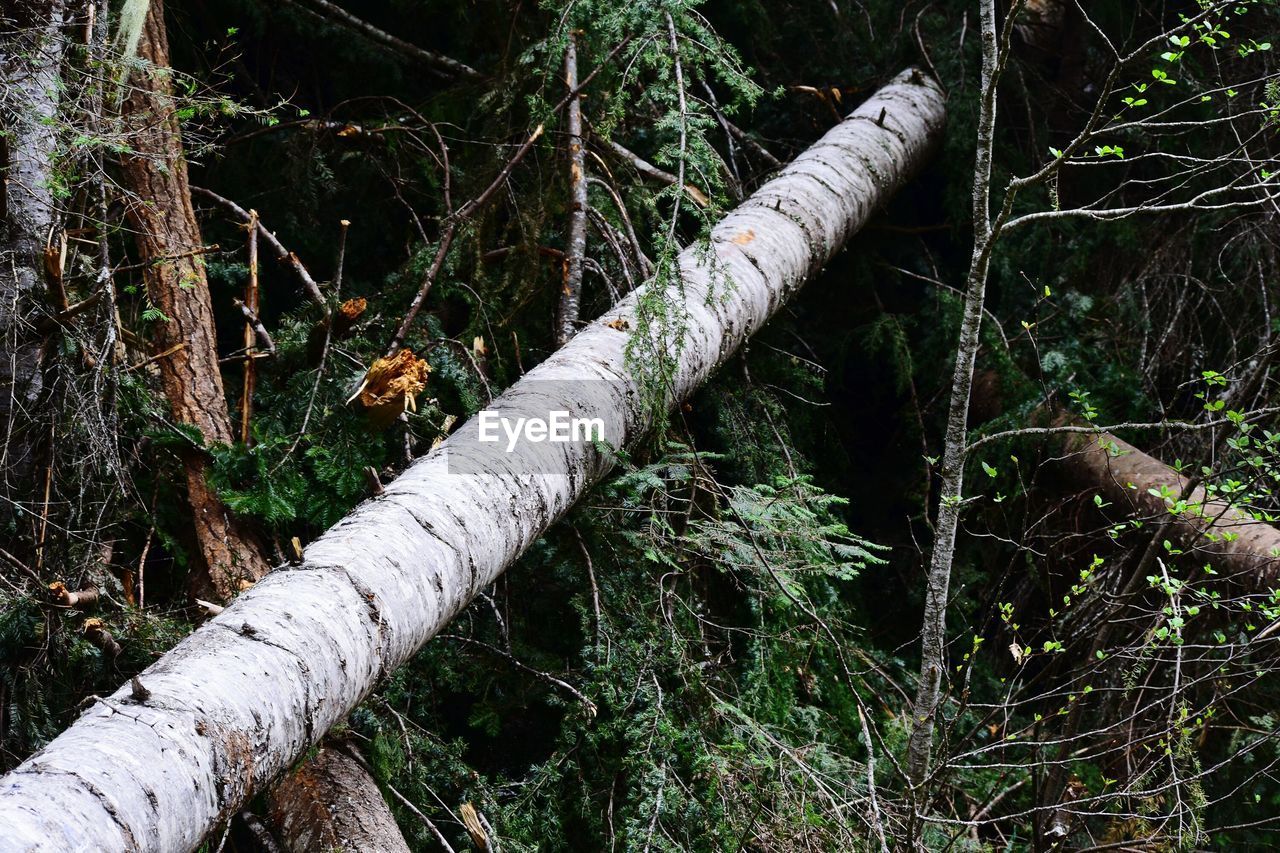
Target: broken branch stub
point(391, 387)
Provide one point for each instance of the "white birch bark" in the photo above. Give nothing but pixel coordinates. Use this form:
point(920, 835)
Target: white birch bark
point(234, 704)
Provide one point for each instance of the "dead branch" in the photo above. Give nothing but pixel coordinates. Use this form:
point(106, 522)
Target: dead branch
point(282, 254)
point(761, 151)
point(199, 250)
point(210, 609)
point(645, 264)
point(476, 204)
point(47, 324)
point(254, 324)
point(648, 170)
point(82, 599)
point(337, 15)
point(252, 328)
point(471, 820)
point(587, 704)
point(95, 631)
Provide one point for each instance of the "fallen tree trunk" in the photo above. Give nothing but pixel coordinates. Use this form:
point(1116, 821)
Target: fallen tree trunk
point(1239, 544)
point(239, 700)
point(332, 803)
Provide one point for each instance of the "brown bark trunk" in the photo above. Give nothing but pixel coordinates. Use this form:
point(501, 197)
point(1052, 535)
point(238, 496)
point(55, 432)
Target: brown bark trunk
point(165, 224)
point(332, 803)
point(1233, 540)
point(167, 231)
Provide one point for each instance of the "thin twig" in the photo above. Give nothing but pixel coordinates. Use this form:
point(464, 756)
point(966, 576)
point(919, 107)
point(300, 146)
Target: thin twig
point(518, 664)
point(648, 170)
point(254, 324)
point(343, 225)
point(761, 151)
point(160, 259)
point(426, 821)
point(1110, 428)
point(591, 577)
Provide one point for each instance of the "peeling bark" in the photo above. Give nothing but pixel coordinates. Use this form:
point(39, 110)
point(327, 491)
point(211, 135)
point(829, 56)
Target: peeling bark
point(239, 700)
point(31, 48)
point(332, 803)
point(167, 233)
point(1235, 541)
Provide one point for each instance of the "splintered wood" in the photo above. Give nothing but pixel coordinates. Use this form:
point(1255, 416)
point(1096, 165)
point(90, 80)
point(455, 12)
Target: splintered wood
point(392, 386)
point(347, 315)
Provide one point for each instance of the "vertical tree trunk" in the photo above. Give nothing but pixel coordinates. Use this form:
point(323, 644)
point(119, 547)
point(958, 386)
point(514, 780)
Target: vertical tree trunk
point(933, 663)
point(332, 803)
point(167, 235)
point(250, 336)
point(576, 244)
point(31, 48)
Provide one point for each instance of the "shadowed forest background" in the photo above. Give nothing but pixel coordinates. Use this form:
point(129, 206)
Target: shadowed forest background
point(719, 647)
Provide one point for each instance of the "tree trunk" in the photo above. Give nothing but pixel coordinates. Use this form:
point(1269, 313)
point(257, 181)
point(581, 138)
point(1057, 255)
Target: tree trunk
point(167, 229)
point(1235, 541)
point(239, 700)
point(933, 663)
point(332, 803)
point(576, 240)
point(167, 235)
point(31, 48)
